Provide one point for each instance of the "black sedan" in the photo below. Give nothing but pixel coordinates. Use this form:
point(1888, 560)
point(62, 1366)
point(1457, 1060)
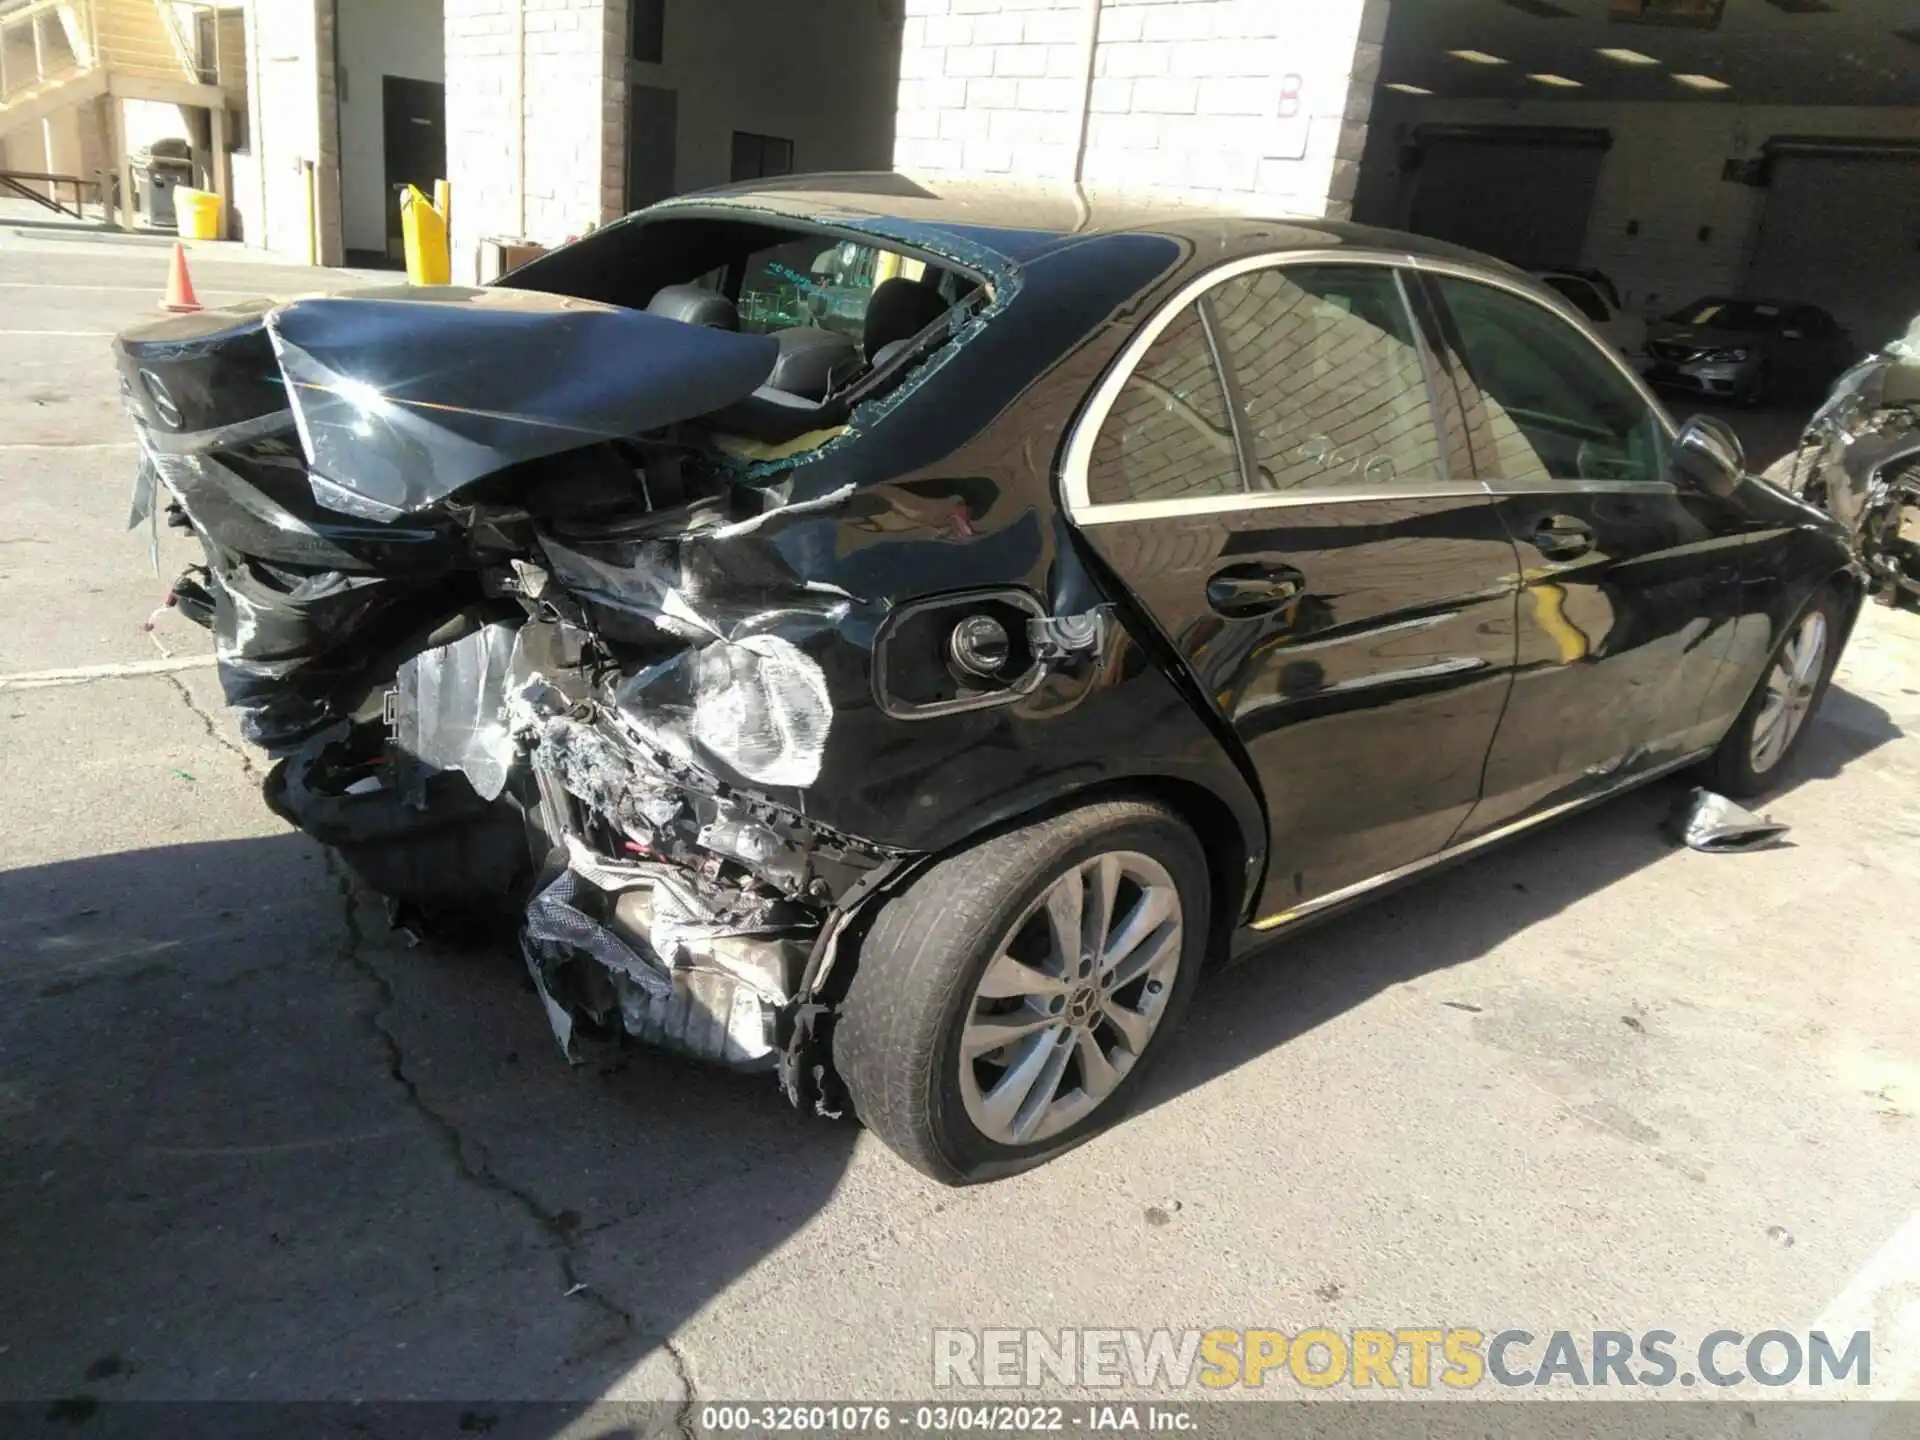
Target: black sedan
point(911, 705)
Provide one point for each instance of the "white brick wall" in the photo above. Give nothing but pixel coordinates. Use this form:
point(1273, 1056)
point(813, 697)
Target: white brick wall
point(1264, 100)
point(551, 167)
point(292, 108)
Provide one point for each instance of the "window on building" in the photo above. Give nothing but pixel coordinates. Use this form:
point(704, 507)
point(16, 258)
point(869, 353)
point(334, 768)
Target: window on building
point(206, 47)
point(758, 156)
point(1332, 380)
point(1168, 436)
point(646, 28)
point(1557, 406)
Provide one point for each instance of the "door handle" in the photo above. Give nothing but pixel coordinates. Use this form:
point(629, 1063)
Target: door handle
point(1562, 537)
point(1253, 589)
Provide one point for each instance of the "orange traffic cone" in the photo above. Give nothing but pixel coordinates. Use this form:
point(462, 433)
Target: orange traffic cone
point(180, 297)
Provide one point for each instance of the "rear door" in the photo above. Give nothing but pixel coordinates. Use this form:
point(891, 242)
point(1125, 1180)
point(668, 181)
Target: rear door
point(1268, 477)
point(415, 121)
point(1631, 581)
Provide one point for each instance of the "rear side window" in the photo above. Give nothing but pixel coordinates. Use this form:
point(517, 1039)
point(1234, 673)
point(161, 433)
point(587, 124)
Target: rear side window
point(1168, 436)
point(1332, 380)
point(1542, 401)
point(1584, 297)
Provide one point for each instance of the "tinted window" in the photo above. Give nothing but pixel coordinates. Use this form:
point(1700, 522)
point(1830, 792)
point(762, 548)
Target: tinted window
point(1729, 315)
point(1542, 401)
point(1583, 296)
point(1167, 436)
point(1811, 319)
point(1331, 377)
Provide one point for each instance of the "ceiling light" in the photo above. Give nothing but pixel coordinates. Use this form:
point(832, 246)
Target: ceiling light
point(1406, 89)
point(1477, 57)
point(1702, 82)
point(1559, 82)
point(1627, 57)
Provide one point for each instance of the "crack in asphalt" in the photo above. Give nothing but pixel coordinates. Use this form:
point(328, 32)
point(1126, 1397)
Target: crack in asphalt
point(469, 1156)
point(212, 727)
point(683, 1417)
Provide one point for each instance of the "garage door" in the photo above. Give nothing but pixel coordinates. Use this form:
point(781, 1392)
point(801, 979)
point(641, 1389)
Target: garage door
point(1842, 230)
point(1520, 193)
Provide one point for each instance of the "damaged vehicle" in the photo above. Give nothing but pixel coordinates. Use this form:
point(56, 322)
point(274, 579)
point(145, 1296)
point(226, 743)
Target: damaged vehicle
point(1859, 460)
point(905, 689)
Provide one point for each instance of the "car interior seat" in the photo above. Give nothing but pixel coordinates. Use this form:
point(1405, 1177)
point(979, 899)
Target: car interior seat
point(695, 305)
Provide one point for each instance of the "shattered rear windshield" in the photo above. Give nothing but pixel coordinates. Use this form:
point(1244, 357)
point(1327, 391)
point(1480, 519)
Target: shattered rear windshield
point(814, 281)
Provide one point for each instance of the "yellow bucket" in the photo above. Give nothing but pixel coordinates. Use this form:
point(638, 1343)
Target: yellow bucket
point(199, 213)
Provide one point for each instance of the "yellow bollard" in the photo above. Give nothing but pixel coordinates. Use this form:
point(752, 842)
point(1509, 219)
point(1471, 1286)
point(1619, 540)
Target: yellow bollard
point(423, 230)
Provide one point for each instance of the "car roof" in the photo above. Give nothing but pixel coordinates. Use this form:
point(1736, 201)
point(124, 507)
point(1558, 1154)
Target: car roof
point(1018, 221)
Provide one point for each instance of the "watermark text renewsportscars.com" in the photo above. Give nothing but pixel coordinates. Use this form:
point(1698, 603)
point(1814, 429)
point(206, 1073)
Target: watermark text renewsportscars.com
point(1415, 1358)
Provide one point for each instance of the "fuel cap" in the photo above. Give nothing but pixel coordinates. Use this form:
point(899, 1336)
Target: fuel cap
point(979, 646)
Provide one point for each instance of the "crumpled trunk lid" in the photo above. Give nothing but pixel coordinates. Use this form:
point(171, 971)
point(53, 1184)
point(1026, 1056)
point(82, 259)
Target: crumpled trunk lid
point(315, 446)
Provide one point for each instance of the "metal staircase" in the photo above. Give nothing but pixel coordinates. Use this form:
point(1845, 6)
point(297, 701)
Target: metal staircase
point(56, 53)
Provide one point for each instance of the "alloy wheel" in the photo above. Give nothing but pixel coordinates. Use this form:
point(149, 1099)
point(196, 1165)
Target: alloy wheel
point(1071, 998)
point(1792, 684)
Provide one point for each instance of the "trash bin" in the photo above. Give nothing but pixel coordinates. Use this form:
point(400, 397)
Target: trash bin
point(199, 212)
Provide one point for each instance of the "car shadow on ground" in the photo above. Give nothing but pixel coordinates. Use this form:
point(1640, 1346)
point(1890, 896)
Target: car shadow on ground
point(257, 1148)
point(1284, 989)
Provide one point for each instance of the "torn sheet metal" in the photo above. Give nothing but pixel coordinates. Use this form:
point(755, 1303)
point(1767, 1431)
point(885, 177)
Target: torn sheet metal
point(557, 916)
point(450, 708)
point(682, 980)
point(402, 397)
point(747, 698)
point(1709, 822)
point(707, 1015)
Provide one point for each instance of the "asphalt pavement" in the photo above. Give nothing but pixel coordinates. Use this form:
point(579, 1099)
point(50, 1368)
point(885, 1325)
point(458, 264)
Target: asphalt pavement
point(254, 1146)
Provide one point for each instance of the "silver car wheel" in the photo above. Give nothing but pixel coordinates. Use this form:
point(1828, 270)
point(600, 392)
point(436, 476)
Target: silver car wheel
point(1071, 998)
point(1791, 686)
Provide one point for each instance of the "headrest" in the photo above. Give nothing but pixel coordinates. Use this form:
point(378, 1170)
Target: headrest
point(694, 305)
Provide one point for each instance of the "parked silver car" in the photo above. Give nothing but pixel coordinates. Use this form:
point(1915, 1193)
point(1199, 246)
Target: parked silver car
point(1747, 351)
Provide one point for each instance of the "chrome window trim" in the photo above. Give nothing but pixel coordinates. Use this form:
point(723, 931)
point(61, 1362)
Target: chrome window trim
point(1080, 506)
point(1120, 511)
point(1074, 493)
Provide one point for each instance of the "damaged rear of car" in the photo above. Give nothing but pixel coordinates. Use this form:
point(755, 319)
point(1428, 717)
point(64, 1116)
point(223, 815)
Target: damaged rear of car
point(684, 597)
point(1859, 459)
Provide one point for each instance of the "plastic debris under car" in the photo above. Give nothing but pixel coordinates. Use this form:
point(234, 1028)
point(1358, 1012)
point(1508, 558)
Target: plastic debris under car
point(1703, 820)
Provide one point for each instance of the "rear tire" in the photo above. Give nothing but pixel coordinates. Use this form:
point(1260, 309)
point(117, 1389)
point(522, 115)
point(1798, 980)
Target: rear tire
point(1778, 714)
point(912, 1041)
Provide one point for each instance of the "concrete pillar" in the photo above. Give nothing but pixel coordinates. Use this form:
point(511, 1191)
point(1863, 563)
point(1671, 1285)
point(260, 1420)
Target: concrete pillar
point(1260, 103)
point(112, 139)
point(295, 132)
point(121, 161)
point(222, 179)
